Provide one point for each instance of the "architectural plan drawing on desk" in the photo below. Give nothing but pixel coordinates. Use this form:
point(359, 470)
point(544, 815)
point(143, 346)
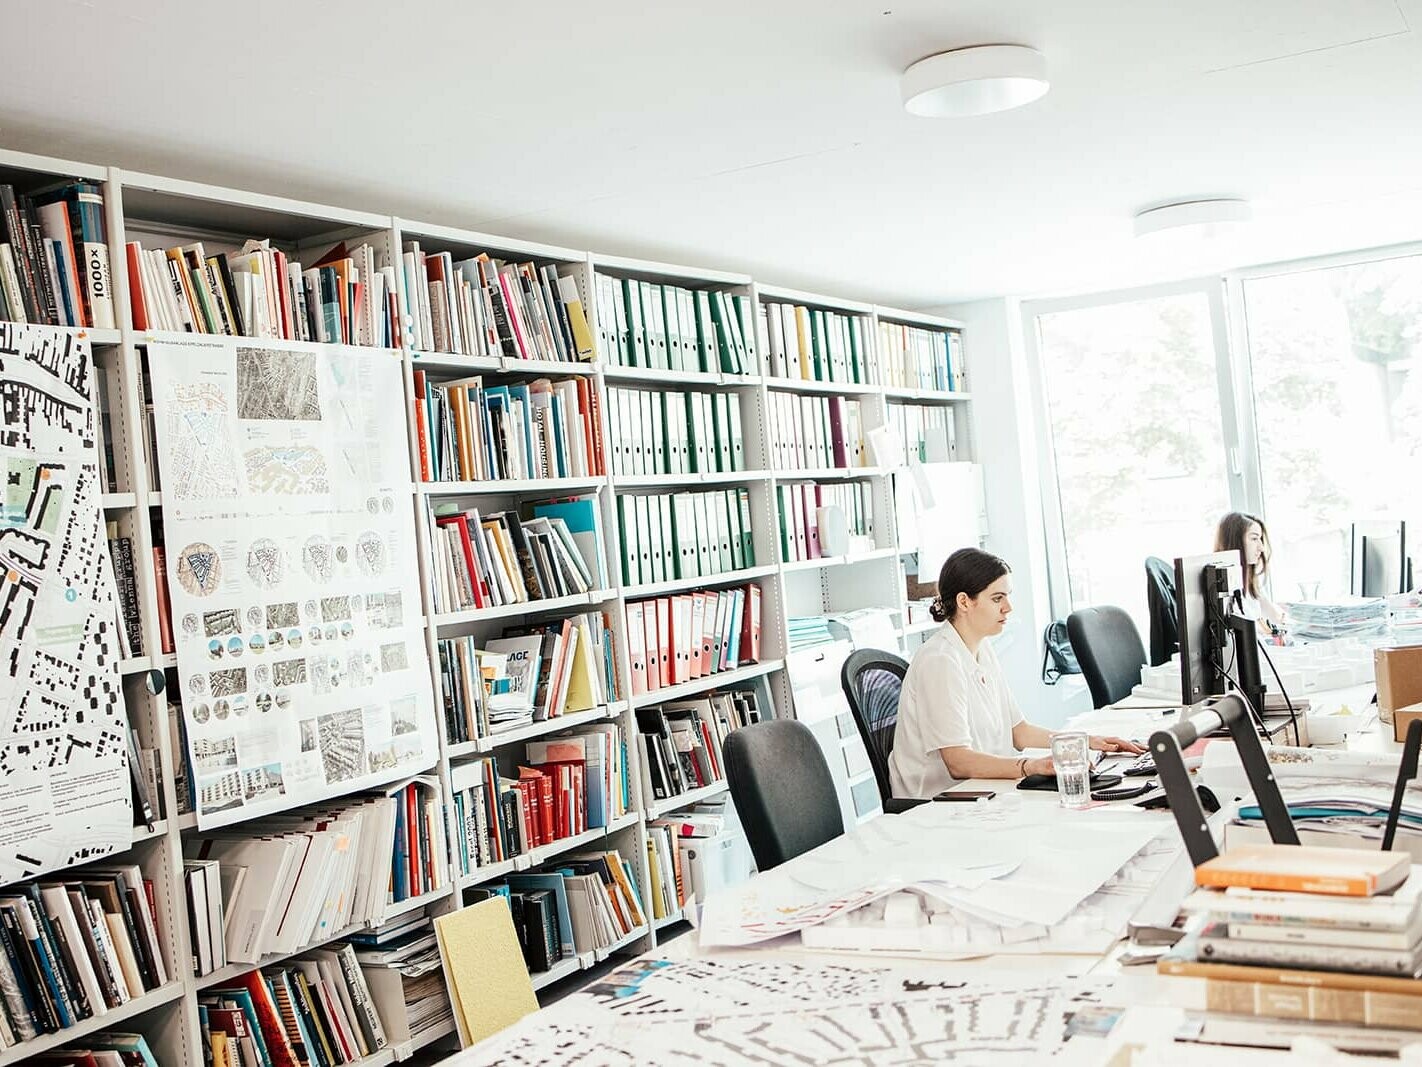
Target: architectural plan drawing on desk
point(291, 550)
point(64, 786)
point(985, 876)
point(763, 1012)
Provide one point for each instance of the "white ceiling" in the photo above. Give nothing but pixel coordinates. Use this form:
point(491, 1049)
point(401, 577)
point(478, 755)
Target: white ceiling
point(764, 137)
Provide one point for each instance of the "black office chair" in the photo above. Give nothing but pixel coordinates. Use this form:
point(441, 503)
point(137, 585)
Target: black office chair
point(1160, 605)
point(782, 790)
point(1108, 647)
point(872, 681)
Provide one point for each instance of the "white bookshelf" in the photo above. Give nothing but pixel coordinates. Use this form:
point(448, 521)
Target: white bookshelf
point(157, 209)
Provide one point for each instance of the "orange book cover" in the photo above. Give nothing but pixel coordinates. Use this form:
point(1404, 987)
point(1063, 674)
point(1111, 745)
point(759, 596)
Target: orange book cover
point(1298, 869)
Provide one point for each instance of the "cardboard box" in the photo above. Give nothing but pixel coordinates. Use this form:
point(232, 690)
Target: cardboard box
point(1399, 678)
point(1402, 718)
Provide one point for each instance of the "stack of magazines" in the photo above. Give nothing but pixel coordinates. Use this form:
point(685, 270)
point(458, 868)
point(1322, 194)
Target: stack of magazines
point(1349, 616)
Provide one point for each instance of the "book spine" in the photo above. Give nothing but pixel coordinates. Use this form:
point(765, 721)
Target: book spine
point(1363, 1007)
point(1330, 885)
point(367, 1017)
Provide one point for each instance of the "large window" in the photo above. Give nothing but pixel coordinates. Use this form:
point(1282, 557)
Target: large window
point(1333, 353)
point(1157, 425)
point(1137, 442)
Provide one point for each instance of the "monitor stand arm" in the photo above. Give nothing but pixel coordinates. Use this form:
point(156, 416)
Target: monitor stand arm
point(1406, 771)
point(1165, 747)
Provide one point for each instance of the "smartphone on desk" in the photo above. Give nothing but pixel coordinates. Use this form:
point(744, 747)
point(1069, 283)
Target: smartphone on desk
point(952, 795)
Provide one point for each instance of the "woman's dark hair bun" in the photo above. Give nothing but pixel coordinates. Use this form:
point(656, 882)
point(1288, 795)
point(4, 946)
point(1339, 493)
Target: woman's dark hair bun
point(968, 570)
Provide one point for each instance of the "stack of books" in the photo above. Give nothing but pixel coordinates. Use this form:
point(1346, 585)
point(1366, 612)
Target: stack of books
point(401, 967)
point(670, 432)
point(75, 949)
point(503, 558)
point(565, 786)
point(314, 1009)
point(54, 258)
point(486, 307)
point(680, 741)
point(684, 535)
point(814, 432)
point(540, 429)
point(918, 358)
point(667, 327)
point(529, 675)
point(288, 881)
point(674, 639)
point(815, 345)
point(591, 902)
point(1299, 933)
point(929, 434)
point(802, 511)
point(346, 297)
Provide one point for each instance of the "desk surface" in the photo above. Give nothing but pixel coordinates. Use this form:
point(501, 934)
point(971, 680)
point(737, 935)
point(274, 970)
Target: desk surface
point(1003, 968)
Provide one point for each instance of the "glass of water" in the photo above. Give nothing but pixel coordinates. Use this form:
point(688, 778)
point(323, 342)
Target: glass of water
point(1071, 756)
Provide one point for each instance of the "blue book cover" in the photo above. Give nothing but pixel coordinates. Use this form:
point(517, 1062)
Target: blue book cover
point(581, 518)
point(555, 884)
point(560, 443)
point(399, 884)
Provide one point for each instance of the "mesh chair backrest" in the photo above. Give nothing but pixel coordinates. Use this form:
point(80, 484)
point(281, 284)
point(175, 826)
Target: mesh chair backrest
point(873, 681)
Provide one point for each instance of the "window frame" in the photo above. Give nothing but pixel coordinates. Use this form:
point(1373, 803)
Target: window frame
point(1240, 458)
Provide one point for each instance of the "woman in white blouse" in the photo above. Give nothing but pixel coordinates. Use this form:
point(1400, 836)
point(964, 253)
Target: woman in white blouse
point(957, 718)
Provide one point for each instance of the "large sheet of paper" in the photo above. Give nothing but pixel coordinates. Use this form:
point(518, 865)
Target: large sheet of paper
point(710, 1012)
point(64, 785)
point(1012, 866)
point(291, 556)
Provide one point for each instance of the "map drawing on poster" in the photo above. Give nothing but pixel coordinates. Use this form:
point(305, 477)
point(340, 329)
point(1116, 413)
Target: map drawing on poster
point(64, 783)
point(291, 553)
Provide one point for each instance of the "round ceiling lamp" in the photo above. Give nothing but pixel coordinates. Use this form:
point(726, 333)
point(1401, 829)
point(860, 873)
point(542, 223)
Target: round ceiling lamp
point(1207, 218)
point(975, 81)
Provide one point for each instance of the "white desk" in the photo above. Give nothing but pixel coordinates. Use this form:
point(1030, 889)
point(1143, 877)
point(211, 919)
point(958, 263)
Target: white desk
point(1135, 986)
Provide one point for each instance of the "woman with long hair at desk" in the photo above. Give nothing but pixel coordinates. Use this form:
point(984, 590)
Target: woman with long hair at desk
point(957, 718)
point(1247, 535)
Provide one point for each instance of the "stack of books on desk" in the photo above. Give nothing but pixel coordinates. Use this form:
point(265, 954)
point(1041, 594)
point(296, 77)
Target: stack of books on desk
point(1298, 933)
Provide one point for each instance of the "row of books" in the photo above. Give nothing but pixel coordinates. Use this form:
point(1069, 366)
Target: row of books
point(684, 535)
point(803, 510)
point(287, 881)
point(1332, 935)
point(530, 674)
point(689, 847)
point(54, 258)
point(568, 785)
point(346, 297)
point(914, 357)
point(670, 887)
point(401, 965)
point(591, 902)
point(75, 949)
point(675, 639)
point(669, 432)
point(668, 327)
point(466, 431)
point(107, 1049)
point(313, 1011)
point(814, 432)
point(501, 558)
point(929, 434)
point(815, 345)
point(680, 741)
point(487, 307)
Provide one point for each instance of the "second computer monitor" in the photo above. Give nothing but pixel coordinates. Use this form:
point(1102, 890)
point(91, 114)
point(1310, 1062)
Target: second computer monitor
point(1203, 586)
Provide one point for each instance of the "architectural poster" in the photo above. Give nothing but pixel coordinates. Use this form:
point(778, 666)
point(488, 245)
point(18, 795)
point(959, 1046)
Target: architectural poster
point(291, 556)
point(64, 782)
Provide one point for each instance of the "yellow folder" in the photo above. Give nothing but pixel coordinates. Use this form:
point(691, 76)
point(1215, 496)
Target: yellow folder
point(488, 981)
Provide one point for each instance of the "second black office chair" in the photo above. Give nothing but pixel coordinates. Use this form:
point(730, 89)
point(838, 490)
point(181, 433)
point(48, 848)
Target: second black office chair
point(1108, 647)
point(782, 790)
point(872, 681)
point(1160, 606)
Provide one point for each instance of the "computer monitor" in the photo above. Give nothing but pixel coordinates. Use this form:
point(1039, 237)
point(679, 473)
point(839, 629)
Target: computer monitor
point(1379, 559)
point(1218, 644)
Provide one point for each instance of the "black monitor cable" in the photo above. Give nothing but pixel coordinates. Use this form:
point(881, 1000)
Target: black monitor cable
point(1293, 712)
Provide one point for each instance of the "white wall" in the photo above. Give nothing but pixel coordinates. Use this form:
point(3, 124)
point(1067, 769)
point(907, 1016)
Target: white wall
point(1004, 425)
